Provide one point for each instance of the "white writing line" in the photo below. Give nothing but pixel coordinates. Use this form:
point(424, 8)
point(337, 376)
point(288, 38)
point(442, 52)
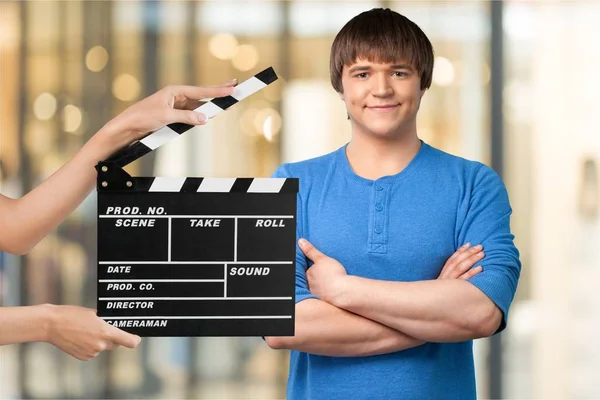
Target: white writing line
point(191, 298)
point(160, 280)
point(169, 239)
point(210, 317)
point(195, 262)
point(235, 234)
point(194, 216)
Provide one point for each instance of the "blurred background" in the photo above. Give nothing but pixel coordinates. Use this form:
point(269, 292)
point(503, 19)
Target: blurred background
point(515, 86)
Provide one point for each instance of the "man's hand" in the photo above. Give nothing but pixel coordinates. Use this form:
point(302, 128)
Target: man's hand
point(326, 276)
point(80, 333)
point(460, 264)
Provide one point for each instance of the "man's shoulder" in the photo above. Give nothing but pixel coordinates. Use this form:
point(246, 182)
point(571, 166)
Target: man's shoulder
point(465, 172)
point(307, 168)
point(461, 165)
point(448, 159)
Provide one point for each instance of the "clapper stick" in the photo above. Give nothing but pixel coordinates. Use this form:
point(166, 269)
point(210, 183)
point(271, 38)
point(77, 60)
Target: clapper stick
point(210, 109)
point(191, 256)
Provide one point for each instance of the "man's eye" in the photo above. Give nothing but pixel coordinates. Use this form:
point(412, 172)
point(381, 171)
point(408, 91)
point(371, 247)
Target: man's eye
point(362, 75)
point(400, 74)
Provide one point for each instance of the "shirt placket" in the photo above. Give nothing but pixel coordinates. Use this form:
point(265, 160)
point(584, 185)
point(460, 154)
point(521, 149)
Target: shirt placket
point(379, 212)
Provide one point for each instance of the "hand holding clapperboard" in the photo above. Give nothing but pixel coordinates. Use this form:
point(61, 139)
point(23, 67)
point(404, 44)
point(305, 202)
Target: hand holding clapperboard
point(196, 256)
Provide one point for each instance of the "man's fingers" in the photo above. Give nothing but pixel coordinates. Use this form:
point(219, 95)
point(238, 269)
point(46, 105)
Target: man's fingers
point(461, 261)
point(471, 273)
point(462, 264)
point(449, 265)
point(309, 250)
point(123, 338)
point(203, 92)
point(460, 250)
point(452, 261)
point(465, 265)
point(463, 255)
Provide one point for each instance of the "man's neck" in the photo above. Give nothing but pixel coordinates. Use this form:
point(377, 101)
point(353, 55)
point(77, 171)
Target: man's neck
point(373, 158)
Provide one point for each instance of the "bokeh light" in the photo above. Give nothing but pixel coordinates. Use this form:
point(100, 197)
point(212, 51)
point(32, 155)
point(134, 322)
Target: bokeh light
point(223, 46)
point(71, 118)
point(126, 87)
point(443, 72)
point(44, 106)
point(96, 58)
point(245, 58)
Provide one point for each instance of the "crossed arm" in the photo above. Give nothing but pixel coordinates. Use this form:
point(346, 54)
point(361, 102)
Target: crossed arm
point(359, 317)
point(324, 329)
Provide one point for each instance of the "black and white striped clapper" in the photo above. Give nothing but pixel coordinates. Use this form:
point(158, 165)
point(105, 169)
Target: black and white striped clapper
point(196, 256)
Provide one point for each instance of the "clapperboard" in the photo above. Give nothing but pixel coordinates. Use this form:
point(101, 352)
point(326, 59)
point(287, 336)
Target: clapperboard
point(196, 256)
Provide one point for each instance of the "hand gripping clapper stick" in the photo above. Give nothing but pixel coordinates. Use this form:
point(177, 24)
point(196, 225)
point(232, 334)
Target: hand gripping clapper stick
point(196, 256)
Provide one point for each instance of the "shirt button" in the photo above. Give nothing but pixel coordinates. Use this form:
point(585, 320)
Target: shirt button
point(379, 206)
point(378, 188)
point(378, 229)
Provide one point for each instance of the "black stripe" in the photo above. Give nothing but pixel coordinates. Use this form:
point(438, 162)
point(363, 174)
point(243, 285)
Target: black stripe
point(138, 149)
point(291, 185)
point(129, 154)
point(267, 76)
point(180, 127)
point(224, 102)
point(142, 184)
point(191, 185)
point(241, 185)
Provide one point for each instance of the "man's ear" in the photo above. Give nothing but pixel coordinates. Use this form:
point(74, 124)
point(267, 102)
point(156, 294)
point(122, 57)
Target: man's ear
point(342, 97)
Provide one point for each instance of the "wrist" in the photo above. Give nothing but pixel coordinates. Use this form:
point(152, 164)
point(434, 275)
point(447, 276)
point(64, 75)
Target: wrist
point(109, 139)
point(342, 292)
point(46, 320)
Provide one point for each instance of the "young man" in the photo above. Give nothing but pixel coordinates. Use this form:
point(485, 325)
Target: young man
point(382, 313)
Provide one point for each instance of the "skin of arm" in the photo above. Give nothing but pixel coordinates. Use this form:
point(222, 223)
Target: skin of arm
point(442, 310)
point(24, 222)
point(27, 220)
point(324, 329)
point(75, 330)
point(23, 324)
point(446, 310)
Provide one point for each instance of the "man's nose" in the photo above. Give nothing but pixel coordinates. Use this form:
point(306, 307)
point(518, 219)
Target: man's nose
point(382, 86)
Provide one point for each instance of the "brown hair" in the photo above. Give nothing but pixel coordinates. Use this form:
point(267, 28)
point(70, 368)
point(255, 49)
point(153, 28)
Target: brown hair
point(381, 35)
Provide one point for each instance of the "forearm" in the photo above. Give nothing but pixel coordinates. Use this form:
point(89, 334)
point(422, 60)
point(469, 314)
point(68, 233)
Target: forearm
point(27, 220)
point(447, 310)
point(324, 329)
point(24, 324)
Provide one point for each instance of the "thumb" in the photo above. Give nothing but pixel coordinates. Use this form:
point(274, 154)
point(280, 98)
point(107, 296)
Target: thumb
point(123, 338)
point(310, 251)
point(187, 117)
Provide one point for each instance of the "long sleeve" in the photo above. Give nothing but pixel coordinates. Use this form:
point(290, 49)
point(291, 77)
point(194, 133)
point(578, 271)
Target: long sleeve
point(486, 219)
point(302, 291)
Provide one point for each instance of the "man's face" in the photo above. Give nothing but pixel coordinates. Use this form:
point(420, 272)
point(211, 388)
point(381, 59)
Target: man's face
point(382, 99)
